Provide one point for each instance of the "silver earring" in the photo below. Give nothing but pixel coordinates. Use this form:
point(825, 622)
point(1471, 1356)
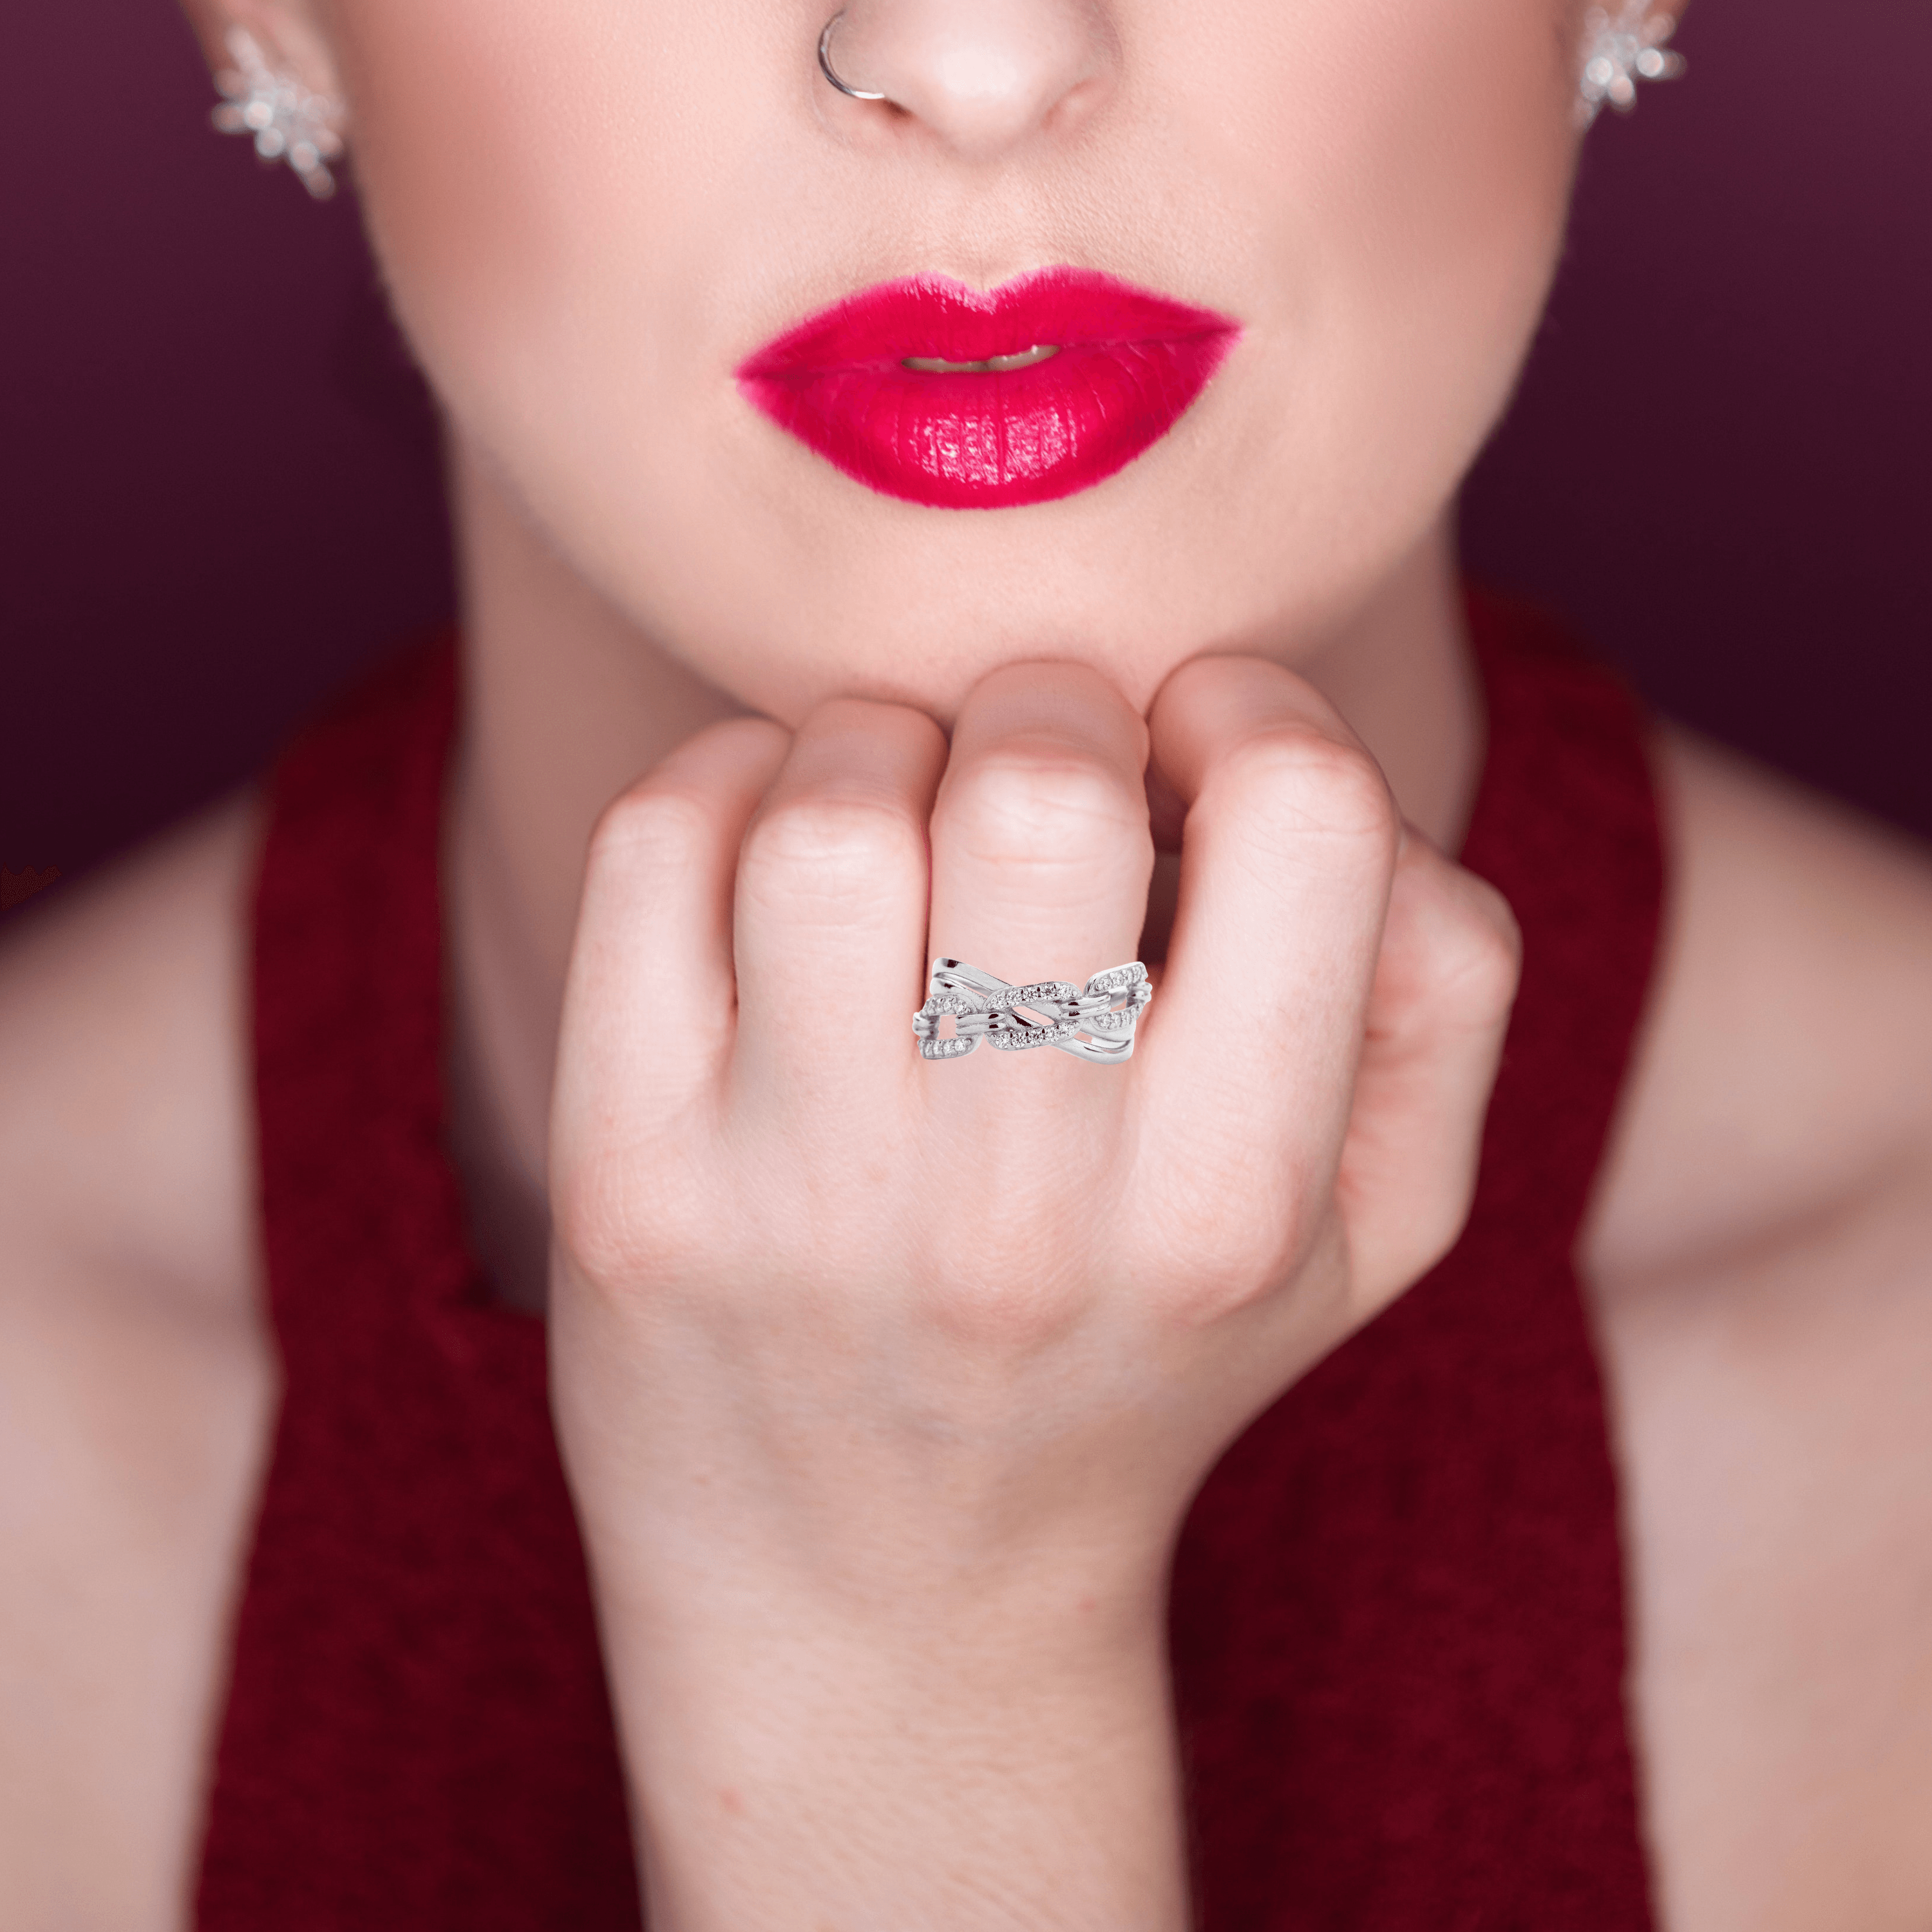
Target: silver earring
point(1620, 50)
point(289, 123)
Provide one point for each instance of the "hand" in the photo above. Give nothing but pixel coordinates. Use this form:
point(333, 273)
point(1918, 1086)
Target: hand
point(883, 1385)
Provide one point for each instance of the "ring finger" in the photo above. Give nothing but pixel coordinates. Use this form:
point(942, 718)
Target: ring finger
point(1041, 853)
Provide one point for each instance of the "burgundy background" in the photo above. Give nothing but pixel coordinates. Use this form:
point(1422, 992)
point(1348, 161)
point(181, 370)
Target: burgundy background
point(218, 491)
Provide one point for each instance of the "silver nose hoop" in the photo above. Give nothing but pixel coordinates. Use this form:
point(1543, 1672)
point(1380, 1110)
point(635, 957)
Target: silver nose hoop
point(831, 74)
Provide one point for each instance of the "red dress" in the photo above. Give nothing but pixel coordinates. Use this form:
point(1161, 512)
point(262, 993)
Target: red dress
point(1399, 1602)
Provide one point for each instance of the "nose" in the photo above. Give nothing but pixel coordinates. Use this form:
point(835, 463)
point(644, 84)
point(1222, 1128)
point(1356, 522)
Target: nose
point(981, 77)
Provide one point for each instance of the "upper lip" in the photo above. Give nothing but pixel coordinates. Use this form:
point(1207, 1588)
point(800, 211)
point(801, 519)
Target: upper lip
point(933, 317)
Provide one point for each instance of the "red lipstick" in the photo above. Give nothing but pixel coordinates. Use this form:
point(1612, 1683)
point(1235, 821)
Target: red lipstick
point(940, 394)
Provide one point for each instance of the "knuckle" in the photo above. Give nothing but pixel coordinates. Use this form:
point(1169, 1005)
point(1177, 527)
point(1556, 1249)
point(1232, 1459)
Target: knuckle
point(1477, 958)
point(1310, 782)
point(591, 1224)
point(1220, 1262)
point(1013, 1286)
point(1005, 1312)
point(653, 825)
point(625, 1224)
point(835, 836)
point(1048, 800)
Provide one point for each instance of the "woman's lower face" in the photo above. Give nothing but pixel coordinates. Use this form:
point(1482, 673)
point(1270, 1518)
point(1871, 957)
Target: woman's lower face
point(601, 222)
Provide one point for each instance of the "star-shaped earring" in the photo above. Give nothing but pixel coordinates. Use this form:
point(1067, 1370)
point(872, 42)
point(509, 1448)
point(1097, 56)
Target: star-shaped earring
point(1617, 53)
point(289, 123)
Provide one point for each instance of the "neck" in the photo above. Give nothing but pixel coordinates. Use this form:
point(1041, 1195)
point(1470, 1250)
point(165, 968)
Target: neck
point(566, 703)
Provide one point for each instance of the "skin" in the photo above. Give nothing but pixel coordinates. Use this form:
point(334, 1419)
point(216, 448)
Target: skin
point(948, 720)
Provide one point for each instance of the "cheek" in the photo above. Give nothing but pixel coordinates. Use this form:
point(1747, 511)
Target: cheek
point(1453, 177)
point(531, 174)
point(1409, 164)
point(440, 94)
point(577, 206)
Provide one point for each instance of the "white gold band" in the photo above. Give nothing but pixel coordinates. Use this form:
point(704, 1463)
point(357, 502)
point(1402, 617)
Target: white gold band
point(1095, 1021)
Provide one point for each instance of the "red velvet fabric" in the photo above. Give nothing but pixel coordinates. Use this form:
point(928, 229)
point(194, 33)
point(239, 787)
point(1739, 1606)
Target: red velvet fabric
point(1398, 1607)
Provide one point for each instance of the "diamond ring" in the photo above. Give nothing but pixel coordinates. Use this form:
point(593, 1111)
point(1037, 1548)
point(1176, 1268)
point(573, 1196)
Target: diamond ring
point(1095, 1021)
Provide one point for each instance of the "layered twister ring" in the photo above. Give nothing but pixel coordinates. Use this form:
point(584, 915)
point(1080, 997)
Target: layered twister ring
point(1095, 1021)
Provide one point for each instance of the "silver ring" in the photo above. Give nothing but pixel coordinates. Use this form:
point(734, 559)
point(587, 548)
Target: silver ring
point(1104, 1011)
point(825, 63)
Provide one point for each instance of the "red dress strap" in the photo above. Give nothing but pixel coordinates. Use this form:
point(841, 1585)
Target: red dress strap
point(1398, 1602)
point(418, 1733)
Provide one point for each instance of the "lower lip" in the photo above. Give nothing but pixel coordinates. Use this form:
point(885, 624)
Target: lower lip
point(1125, 364)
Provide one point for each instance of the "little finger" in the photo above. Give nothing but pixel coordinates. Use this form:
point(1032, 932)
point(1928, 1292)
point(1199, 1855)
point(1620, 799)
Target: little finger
point(1438, 1013)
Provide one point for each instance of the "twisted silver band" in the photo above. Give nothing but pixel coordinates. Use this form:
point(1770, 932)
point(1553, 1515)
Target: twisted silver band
point(825, 66)
point(1105, 1009)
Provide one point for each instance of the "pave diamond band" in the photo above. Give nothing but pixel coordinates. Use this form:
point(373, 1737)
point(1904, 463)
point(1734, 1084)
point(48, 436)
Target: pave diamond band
point(1095, 1021)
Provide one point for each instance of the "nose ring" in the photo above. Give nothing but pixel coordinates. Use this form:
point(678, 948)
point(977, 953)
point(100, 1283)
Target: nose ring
point(825, 63)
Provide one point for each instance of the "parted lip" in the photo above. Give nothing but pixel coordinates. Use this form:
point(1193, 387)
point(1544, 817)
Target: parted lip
point(934, 317)
point(1070, 375)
